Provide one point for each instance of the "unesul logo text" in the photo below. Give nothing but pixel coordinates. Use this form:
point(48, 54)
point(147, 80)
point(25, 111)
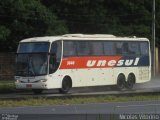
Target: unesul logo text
point(111, 63)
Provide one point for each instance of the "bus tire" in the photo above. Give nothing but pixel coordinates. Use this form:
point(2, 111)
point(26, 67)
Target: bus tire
point(37, 91)
point(66, 85)
point(121, 82)
point(130, 81)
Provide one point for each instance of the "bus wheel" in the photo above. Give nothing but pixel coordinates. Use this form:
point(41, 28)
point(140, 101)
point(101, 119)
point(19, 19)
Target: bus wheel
point(130, 81)
point(121, 82)
point(66, 85)
point(37, 91)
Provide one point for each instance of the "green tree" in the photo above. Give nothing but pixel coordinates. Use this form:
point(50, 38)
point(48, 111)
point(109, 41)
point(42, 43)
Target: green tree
point(28, 18)
point(20, 19)
point(119, 17)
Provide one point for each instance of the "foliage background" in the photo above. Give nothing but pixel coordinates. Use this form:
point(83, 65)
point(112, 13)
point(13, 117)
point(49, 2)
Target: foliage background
point(21, 19)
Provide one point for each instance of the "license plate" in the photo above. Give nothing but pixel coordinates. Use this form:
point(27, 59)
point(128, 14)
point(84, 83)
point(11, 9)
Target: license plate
point(29, 86)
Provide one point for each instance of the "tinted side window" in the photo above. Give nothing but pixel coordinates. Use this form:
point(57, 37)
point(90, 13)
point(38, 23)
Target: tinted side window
point(109, 48)
point(125, 48)
point(133, 48)
point(119, 48)
point(56, 48)
point(144, 48)
point(69, 48)
point(83, 48)
point(128, 48)
point(55, 56)
point(96, 48)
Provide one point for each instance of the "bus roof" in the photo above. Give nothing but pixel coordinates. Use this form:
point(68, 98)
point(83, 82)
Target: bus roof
point(83, 37)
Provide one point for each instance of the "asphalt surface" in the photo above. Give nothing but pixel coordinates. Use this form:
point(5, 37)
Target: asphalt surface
point(148, 87)
point(91, 111)
point(136, 107)
point(135, 110)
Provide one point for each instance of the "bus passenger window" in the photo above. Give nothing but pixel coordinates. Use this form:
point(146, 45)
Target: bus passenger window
point(130, 48)
point(83, 48)
point(109, 48)
point(144, 47)
point(125, 49)
point(96, 48)
point(119, 48)
point(69, 48)
point(55, 56)
point(133, 48)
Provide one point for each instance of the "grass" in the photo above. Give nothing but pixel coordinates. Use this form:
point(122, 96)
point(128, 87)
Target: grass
point(7, 86)
point(78, 100)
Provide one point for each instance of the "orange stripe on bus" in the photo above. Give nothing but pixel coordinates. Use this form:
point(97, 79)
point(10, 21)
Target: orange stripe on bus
point(89, 62)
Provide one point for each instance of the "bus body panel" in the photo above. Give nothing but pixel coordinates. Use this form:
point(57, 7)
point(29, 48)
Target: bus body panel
point(89, 70)
point(47, 82)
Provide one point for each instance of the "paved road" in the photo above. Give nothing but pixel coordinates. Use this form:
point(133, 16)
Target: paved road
point(92, 111)
point(99, 111)
point(102, 108)
point(151, 86)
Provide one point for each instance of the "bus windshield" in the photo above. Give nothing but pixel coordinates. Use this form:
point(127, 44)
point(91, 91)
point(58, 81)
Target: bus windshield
point(31, 64)
point(33, 47)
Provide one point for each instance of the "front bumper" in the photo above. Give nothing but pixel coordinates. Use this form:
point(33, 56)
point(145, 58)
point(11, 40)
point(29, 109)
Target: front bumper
point(38, 85)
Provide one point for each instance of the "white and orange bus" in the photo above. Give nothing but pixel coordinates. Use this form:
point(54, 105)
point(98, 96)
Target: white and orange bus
point(78, 60)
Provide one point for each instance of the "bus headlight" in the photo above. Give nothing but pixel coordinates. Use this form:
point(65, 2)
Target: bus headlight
point(17, 81)
point(44, 80)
